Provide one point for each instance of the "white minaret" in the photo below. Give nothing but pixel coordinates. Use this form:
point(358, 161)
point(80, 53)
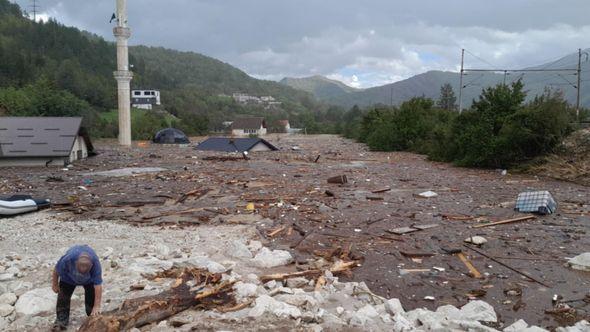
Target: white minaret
point(123, 75)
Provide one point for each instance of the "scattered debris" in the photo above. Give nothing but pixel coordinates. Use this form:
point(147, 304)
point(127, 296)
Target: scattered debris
point(509, 267)
point(130, 171)
point(413, 228)
point(210, 292)
point(340, 179)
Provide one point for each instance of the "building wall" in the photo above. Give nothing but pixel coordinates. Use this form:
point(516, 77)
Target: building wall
point(245, 132)
point(79, 150)
point(33, 162)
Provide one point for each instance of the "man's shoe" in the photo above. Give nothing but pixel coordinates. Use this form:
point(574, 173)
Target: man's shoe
point(58, 327)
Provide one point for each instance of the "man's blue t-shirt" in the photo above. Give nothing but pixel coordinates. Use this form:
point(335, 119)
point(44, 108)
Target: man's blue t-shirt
point(66, 267)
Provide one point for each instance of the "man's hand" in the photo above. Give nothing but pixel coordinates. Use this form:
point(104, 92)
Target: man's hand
point(55, 281)
point(95, 311)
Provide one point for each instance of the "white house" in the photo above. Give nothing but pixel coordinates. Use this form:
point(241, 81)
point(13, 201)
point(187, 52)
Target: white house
point(145, 99)
point(249, 126)
point(43, 141)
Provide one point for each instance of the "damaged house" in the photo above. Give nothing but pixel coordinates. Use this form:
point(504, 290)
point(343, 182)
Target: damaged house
point(43, 141)
point(249, 126)
point(230, 144)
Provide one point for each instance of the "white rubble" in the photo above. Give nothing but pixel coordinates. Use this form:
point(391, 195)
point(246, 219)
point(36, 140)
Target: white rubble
point(206, 263)
point(239, 249)
point(266, 304)
point(35, 302)
point(272, 258)
point(8, 298)
point(522, 326)
point(245, 290)
point(5, 310)
point(581, 326)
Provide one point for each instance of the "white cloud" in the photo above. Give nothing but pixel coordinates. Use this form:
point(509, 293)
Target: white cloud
point(379, 41)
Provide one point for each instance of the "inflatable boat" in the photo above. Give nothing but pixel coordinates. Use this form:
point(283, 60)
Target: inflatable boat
point(20, 204)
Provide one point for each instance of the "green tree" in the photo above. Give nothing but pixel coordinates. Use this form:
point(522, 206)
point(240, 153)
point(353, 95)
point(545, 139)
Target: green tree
point(447, 100)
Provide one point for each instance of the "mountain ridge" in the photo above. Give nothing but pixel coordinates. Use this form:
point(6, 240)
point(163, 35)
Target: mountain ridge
point(428, 84)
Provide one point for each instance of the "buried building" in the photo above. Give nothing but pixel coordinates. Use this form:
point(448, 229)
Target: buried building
point(229, 144)
point(43, 141)
point(170, 136)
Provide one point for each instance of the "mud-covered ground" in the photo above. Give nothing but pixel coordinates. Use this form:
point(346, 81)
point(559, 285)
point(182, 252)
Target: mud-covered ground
point(288, 188)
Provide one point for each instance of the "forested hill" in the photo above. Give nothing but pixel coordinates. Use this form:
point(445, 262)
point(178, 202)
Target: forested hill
point(50, 69)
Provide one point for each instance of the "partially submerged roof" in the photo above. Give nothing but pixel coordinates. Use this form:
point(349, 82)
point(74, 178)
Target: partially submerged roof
point(40, 136)
point(248, 123)
point(228, 144)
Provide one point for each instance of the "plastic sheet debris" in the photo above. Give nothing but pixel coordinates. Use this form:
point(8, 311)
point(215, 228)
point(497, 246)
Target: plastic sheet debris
point(536, 202)
point(580, 262)
point(428, 194)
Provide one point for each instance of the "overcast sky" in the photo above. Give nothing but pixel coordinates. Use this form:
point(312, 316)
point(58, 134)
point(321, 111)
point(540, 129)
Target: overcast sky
point(362, 43)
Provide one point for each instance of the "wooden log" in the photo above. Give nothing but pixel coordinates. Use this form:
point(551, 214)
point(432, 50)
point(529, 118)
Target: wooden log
point(336, 268)
point(135, 313)
point(508, 221)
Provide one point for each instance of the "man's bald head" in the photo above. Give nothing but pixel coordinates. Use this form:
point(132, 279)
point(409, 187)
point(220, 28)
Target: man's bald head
point(84, 263)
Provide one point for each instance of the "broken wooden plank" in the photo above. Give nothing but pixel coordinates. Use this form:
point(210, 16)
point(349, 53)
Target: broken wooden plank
point(507, 221)
point(174, 213)
point(276, 231)
point(382, 190)
point(472, 270)
point(416, 253)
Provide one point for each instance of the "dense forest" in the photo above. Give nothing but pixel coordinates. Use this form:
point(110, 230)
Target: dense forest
point(49, 69)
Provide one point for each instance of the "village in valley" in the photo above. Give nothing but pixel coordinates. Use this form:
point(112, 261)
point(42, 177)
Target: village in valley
point(271, 218)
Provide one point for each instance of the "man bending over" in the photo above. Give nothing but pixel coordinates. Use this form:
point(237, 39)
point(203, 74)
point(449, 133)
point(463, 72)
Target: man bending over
point(78, 267)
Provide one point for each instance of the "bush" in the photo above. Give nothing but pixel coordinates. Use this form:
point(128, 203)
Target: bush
point(499, 130)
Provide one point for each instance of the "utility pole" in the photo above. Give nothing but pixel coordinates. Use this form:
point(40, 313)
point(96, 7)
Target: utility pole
point(579, 82)
point(34, 7)
point(505, 73)
point(461, 82)
point(391, 97)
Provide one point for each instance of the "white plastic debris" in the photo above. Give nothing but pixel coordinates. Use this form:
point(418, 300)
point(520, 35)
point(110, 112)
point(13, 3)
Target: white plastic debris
point(428, 194)
point(580, 262)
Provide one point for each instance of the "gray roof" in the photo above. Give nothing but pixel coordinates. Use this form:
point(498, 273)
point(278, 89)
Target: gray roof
point(226, 144)
point(38, 136)
point(248, 123)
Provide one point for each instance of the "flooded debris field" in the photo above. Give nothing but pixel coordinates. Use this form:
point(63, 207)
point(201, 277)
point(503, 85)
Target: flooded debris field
point(404, 218)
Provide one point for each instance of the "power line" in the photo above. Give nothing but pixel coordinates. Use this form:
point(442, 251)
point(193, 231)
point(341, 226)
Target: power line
point(558, 72)
point(35, 9)
point(481, 59)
